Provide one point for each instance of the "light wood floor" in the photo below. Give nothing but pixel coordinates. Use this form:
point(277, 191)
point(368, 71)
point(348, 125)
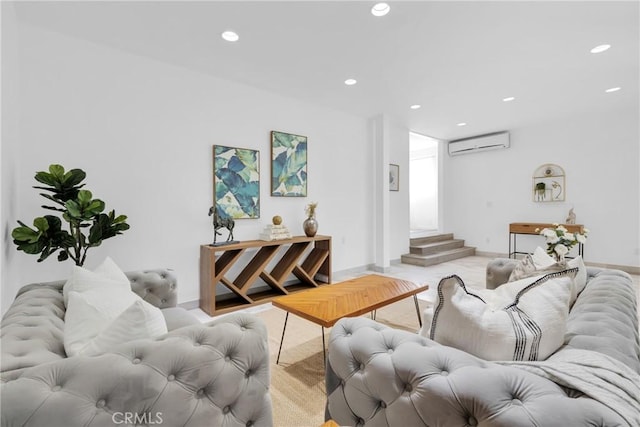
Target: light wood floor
point(471, 269)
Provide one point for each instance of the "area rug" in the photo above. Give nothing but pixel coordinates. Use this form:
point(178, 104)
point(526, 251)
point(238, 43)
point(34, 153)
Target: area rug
point(297, 382)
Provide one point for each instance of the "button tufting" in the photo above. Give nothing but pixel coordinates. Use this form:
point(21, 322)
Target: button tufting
point(516, 402)
point(249, 423)
point(408, 388)
point(200, 393)
point(444, 373)
point(136, 361)
point(348, 334)
point(171, 377)
point(100, 403)
point(56, 388)
point(196, 343)
point(227, 358)
point(390, 351)
point(472, 421)
point(361, 366)
point(382, 404)
point(163, 300)
point(248, 373)
point(242, 328)
point(226, 409)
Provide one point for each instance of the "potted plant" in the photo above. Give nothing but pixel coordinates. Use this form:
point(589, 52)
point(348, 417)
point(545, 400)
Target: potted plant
point(88, 226)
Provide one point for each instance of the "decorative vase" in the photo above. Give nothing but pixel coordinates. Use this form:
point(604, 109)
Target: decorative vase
point(310, 226)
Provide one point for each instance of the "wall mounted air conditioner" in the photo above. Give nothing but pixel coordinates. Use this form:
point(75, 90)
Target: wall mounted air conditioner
point(474, 144)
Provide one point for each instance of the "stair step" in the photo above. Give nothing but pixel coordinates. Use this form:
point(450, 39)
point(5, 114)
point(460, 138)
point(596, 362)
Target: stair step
point(432, 248)
point(431, 239)
point(437, 258)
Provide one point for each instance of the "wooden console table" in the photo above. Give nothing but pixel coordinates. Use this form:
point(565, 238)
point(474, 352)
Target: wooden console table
point(289, 256)
point(516, 228)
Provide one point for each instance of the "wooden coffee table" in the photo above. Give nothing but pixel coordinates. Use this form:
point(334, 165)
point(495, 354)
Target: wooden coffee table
point(328, 304)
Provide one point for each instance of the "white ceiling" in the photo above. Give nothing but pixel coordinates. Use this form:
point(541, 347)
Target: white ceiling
point(457, 59)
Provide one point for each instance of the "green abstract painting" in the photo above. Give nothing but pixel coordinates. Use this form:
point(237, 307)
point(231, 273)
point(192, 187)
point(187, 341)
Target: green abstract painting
point(236, 182)
point(288, 165)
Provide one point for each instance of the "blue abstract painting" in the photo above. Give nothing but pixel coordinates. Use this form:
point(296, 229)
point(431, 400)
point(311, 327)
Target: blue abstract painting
point(288, 165)
point(236, 182)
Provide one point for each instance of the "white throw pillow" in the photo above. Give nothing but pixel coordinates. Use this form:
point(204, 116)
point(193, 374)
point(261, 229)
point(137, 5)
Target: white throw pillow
point(106, 275)
point(90, 312)
point(529, 326)
point(99, 318)
point(140, 321)
point(540, 262)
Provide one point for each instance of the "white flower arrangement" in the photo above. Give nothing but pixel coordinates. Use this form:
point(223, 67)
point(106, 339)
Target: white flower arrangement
point(560, 241)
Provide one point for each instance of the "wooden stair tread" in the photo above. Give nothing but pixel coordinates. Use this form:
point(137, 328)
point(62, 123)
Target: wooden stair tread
point(436, 249)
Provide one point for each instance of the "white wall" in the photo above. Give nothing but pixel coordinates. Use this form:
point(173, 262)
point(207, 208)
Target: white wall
point(423, 197)
point(399, 200)
point(9, 164)
point(600, 155)
point(143, 131)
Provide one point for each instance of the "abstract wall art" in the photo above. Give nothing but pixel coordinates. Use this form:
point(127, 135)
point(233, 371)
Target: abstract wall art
point(236, 182)
point(288, 165)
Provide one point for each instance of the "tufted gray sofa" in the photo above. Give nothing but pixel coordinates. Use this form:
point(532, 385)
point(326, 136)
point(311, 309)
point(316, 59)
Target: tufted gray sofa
point(379, 376)
point(196, 375)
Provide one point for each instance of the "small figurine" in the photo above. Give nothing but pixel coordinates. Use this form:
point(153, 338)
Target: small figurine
point(218, 223)
point(571, 219)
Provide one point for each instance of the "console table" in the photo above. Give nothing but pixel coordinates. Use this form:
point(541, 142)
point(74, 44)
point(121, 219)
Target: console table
point(307, 258)
point(516, 228)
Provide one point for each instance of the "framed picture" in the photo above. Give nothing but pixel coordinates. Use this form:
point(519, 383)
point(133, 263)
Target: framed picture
point(549, 183)
point(288, 165)
point(394, 177)
point(236, 182)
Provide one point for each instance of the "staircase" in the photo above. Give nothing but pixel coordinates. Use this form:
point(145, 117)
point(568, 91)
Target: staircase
point(426, 251)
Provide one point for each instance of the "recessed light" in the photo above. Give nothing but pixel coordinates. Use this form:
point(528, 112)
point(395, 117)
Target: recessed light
point(508, 98)
point(230, 36)
point(601, 48)
point(613, 89)
point(380, 9)
point(350, 82)
point(461, 124)
point(415, 106)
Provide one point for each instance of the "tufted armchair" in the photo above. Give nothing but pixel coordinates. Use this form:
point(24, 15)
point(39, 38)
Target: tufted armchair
point(379, 376)
point(195, 375)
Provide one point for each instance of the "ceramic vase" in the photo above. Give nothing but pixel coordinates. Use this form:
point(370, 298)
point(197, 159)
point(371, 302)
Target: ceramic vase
point(310, 226)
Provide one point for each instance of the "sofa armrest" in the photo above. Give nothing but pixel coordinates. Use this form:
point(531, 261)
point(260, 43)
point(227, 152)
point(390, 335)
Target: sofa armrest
point(213, 374)
point(158, 287)
point(499, 270)
point(382, 376)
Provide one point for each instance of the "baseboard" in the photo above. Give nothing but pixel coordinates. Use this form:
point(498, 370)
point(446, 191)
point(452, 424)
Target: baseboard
point(626, 268)
point(350, 272)
point(491, 254)
point(190, 305)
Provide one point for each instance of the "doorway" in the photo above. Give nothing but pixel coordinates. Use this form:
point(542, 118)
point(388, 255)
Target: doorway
point(423, 189)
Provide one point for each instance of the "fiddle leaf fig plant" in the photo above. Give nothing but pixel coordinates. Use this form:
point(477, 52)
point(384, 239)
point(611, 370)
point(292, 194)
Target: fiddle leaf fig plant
point(86, 221)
